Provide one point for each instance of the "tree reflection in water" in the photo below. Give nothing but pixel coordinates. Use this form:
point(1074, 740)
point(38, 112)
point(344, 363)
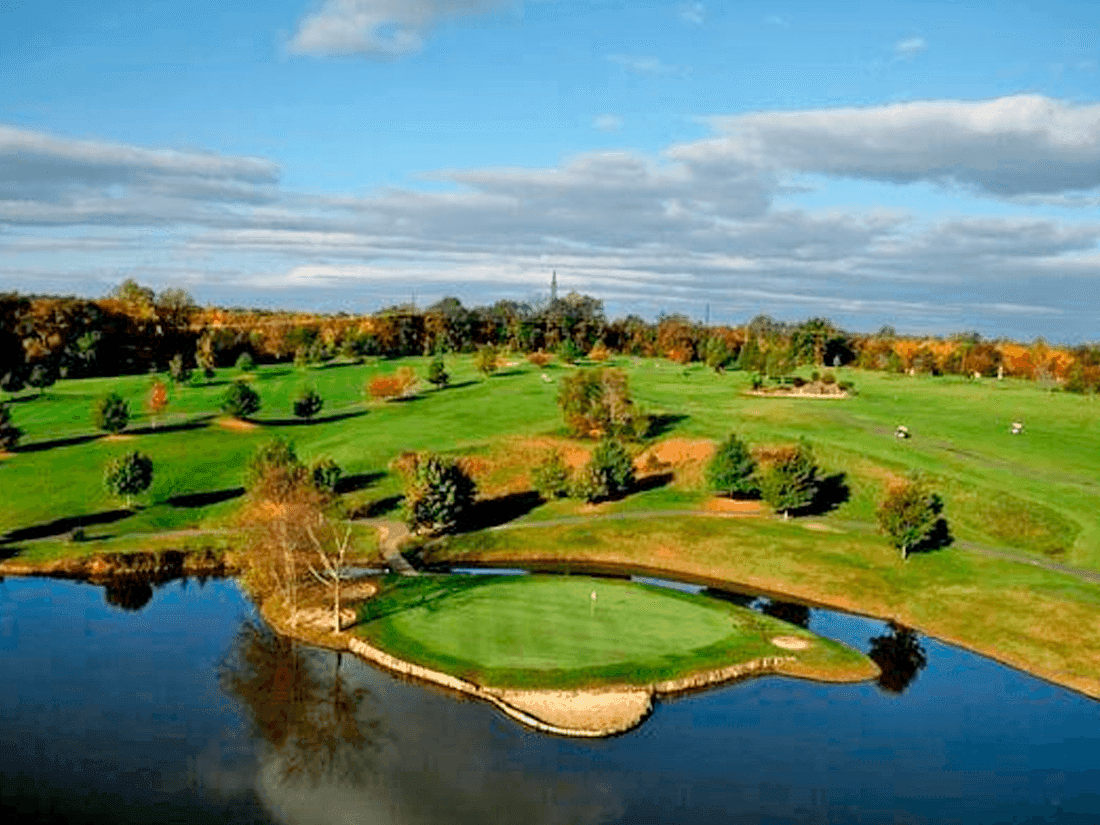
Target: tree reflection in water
point(900, 657)
point(796, 614)
point(313, 722)
point(128, 593)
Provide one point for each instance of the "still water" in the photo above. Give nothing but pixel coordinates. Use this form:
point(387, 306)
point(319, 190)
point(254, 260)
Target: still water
point(176, 704)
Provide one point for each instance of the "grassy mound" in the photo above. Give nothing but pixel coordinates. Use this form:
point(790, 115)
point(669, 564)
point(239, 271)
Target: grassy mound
point(548, 631)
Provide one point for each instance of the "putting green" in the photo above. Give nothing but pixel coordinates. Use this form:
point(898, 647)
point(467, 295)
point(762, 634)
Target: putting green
point(549, 630)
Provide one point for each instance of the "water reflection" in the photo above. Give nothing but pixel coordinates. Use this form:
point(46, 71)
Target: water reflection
point(315, 721)
point(128, 593)
point(899, 655)
point(789, 612)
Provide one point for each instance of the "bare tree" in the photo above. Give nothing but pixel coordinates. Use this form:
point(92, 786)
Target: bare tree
point(332, 555)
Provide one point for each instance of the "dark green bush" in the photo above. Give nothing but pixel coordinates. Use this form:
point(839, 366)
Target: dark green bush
point(308, 403)
point(550, 477)
point(245, 362)
point(129, 475)
point(437, 374)
point(609, 473)
point(732, 470)
point(438, 494)
point(240, 400)
point(9, 433)
point(111, 413)
point(326, 475)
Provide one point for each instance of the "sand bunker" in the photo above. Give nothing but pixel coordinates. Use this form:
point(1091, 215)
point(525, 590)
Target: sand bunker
point(236, 424)
point(733, 505)
point(603, 712)
point(119, 437)
point(790, 642)
point(676, 451)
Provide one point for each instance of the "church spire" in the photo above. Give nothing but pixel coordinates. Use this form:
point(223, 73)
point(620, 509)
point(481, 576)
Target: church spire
point(553, 286)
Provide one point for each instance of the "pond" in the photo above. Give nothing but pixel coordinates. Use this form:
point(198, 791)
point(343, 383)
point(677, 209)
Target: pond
point(181, 706)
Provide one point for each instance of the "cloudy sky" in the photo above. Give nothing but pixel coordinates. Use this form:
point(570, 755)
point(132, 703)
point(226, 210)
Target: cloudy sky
point(933, 166)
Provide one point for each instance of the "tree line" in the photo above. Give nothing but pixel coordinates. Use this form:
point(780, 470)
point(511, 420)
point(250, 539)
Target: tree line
point(136, 330)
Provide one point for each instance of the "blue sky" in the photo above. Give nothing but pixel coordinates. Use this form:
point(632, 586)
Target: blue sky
point(934, 166)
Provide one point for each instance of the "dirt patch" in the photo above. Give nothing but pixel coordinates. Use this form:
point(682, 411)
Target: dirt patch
point(677, 451)
point(790, 642)
point(236, 424)
point(733, 505)
point(6, 455)
point(117, 437)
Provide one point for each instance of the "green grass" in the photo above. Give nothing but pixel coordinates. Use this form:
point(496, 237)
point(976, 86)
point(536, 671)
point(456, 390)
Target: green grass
point(547, 631)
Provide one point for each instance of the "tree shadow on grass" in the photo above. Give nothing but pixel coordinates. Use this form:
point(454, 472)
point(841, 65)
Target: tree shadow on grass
point(831, 493)
point(939, 538)
point(324, 419)
point(72, 441)
point(349, 484)
point(662, 423)
point(462, 384)
point(61, 526)
point(377, 509)
point(493, 512)
point(508, 372)
point(418, 594)
point(194, 424)
point(652, 482)
point(205, 499)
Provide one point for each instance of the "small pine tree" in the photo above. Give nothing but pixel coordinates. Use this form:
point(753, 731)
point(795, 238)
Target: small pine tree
point(308, 403)
point(486, 360)
point(9, 433)
point(608, 473)
point(550, 477)
point(178, 369)
point(274, 472)
point(569, 352)
point(731, 471)
point(716, 353)
point(438, 494)
point(245, 363)
point(437, 374)
point(326, 475)
point(111, 413)
point(128, 476)
point(240, 400)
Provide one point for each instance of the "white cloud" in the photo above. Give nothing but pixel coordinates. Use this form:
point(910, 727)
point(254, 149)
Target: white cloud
point(608, 123)
point(647, 65)
point(380, 28)
point(909, 48)
point(646, 232)
point(1006, 147)
point(692, 13)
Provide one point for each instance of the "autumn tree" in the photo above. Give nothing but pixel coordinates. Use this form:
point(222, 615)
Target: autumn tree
point(787, 476)
point(597, 402)
point(157, 400)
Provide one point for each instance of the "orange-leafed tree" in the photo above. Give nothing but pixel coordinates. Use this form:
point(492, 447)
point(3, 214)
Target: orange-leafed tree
point(157, 400)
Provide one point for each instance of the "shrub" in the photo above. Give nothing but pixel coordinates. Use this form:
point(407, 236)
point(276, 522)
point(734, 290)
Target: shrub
point(798, 381)
point(240, 400)
point(716, 353)
point(540, 358)
point(847, 386)
point(828, 378)
point(42, 376)
point(129, 475)
point(274, 472)
point(9, 433)
point(392, 386)
point(178, 370)
point(486, 360)
point(680, 355)
point(757, 381)
point(568, 351)
point(815, 376)
point(599, 353)
point(245, 362)
point(308, 403)
point(787, 476)
point(437, 373)
point(550, 477)
point(326, 475)
point(438, 494)
point(608, 473)
point(111, 413)
point(597, 401)
point(909, 514)
point(12, 381)
point(732, 469)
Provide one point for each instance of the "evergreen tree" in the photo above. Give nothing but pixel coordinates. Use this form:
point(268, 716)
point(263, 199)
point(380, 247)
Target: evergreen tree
point(732, 470)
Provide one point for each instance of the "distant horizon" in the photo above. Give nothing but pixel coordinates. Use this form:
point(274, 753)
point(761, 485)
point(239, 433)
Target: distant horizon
point(932, 168)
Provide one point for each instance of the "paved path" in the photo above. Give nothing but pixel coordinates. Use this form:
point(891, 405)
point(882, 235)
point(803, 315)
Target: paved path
point(391, 535)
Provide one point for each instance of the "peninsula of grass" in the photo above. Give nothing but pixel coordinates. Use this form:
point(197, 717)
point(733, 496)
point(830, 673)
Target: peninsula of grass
point(560, 633)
